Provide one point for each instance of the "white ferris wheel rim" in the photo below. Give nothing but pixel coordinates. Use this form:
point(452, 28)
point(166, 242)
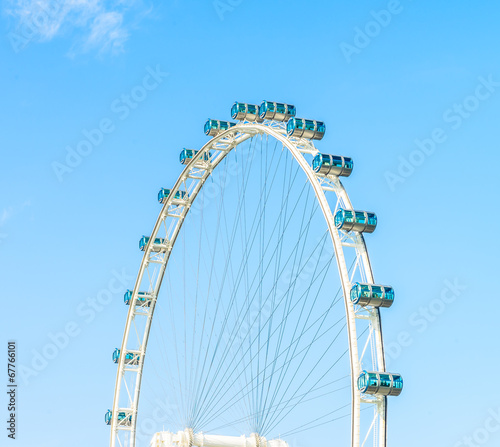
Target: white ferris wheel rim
point(225, 142)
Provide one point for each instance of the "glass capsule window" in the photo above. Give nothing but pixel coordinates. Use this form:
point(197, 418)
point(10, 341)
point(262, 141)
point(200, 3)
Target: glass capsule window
point(365, 291)
point(122, 417)
point(237, 109)
point(336, 161)
point(377, 292)
point(349, 216)
point(372, 380)
point(127, 297)
point(253, 109)
point(317, 162)
point(389, 294)
point(372, 219)
point(208, 126)
point(339, 218)
point(309, 125)
point(397, 382)
point(264, 108)
point(385, 380)
point(163, 194)
point(361, 217)
point(362, 381)
point(281, 108)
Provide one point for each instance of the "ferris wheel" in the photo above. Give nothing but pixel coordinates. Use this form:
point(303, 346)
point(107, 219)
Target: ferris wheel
point(267, 328)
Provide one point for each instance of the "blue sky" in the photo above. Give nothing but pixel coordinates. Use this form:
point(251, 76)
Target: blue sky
point(147, 75)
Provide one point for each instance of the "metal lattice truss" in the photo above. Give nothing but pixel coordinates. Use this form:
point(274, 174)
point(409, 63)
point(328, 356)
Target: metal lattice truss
point(367, 351)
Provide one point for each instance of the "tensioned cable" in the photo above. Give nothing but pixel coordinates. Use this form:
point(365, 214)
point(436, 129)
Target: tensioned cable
point(260, 231)
point(347, 350)
point(300, 336)
point(218, 304)
point(297, 397)
point(295, 431)
point(295, 341)
point(285, 316)
point(234, 295)
point(221, 363)
point(198, 391)
point(238, 349)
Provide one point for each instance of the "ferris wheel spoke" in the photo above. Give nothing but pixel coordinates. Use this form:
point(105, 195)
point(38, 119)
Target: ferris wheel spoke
point(287, 348)
point(250, 328)
point(286, 404)
point(241, 270)
point(308, 425)
point(274, 289)
point(270, 425)
point(228, 256)
point(211, 275)
point(309, 390)
point(290, 293)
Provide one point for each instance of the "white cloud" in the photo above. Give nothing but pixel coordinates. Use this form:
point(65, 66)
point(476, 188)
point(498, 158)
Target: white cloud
point(7, 213)
point(92, 24)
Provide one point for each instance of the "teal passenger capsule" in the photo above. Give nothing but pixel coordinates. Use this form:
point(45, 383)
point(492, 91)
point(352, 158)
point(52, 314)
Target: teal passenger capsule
point(380, 383)
point(302, 128)
point(130, 357)
point(143, 298)
point(164, 193)
point(158, 245)
point(122, 417)
point(187, 155)
point(327, 164)
point(215, 127)
point(276, 111)
point(350, 220)
point(374, 295)
point(245, 112)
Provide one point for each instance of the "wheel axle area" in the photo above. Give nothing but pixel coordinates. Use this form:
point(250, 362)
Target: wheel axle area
point(187, 438)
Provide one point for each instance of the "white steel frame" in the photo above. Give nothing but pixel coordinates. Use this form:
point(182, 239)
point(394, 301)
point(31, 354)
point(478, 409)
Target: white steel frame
point(156, 257)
